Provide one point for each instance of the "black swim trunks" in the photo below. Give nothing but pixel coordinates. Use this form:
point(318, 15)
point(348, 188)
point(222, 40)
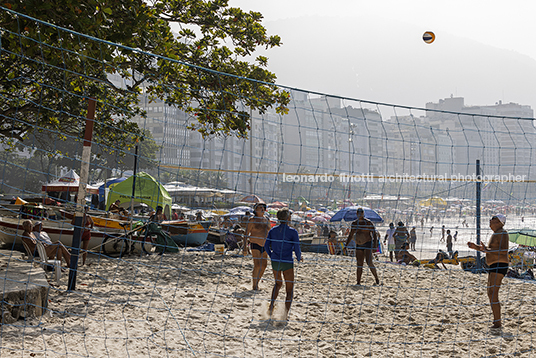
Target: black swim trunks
point(499, 267)
point(366, 246)
point(257, 247)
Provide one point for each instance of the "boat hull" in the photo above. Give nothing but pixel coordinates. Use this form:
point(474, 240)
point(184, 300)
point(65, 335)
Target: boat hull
point(187, 233)
point(103, 222)
point(314, 244)
point(11, 232)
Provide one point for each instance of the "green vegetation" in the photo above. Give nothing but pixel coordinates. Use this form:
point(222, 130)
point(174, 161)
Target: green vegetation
point(46, 74)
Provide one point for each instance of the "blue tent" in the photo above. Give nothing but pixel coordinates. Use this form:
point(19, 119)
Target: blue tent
point(102, 188)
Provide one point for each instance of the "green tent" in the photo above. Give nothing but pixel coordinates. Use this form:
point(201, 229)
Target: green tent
point(148, 191)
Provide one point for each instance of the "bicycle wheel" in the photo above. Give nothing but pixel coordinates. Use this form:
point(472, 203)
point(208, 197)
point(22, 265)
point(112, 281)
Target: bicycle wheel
point(147, 244)
point(122, 246)
point(107, 238)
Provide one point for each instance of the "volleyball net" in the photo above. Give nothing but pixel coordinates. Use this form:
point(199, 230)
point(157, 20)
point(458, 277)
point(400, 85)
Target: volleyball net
point(445, 166)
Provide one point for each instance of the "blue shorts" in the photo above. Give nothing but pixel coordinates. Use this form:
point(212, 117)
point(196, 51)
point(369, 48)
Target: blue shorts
point(499, 267)
point(257, 247)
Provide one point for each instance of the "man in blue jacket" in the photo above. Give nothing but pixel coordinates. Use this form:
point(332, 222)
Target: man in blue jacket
point(282, 240)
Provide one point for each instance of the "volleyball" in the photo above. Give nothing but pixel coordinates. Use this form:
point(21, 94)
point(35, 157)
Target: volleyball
point(428, 37)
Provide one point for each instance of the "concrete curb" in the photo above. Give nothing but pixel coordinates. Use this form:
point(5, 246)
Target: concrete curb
point(24, 287)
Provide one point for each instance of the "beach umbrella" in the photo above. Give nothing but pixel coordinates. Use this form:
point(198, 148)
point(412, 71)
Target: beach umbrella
point(324, 215)
point(179, 207)
point(277, 205)
point(251, 199)
point(320, 219)
point(297, 219)
point(238, 212)
point(350, 214)
point(241, 208)
point(524, 236)
point(433, 201)
point(311, 213)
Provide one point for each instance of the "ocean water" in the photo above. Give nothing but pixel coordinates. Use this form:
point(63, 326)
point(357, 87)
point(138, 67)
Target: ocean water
point(428, 245)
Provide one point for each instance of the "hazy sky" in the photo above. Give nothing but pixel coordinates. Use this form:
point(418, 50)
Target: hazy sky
point(504, 24)
point(485, 51)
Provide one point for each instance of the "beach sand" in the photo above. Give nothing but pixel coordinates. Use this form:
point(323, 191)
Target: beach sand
point(201, 304)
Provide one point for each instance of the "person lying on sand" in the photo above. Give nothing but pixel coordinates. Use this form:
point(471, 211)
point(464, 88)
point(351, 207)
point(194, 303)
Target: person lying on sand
point(439, 259)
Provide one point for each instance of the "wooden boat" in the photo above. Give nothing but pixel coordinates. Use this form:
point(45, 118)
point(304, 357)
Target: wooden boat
point(187, 233)
point(216, 235)
point(100, 221)
point(61, 230)
point(310, 243)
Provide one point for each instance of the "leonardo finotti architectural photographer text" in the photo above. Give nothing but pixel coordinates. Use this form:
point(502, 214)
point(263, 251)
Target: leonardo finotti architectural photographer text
point(347, 178)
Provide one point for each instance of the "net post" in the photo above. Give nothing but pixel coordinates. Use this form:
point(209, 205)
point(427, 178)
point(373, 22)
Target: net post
point(134, 183)
point(80, 213)
point(478, 200)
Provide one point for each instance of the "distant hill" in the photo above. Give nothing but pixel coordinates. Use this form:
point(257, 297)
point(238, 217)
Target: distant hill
point(390, 63)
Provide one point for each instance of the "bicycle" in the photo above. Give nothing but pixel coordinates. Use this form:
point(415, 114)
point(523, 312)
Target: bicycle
point(125, 243)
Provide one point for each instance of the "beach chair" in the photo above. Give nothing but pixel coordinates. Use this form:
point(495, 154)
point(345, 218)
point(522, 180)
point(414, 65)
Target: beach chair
point(28, 252)
point(233, 241)
point(334, 248)
point(46, 263)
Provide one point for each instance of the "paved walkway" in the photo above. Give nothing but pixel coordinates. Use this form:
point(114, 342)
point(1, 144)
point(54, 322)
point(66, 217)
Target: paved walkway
point(24, 287)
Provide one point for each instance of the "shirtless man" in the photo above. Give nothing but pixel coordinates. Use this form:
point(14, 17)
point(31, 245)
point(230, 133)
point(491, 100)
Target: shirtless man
point(256, 231)
point(365, 233)
point(497, 260)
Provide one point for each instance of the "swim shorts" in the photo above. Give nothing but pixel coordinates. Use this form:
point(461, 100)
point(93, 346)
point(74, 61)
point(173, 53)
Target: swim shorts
point(366, 246)
point(86, 235)
point(282, 266)
point(257, 247)
point(498, 267)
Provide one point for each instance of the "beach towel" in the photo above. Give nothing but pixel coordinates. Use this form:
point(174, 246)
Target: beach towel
point(205, 247)
point(379, 248)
